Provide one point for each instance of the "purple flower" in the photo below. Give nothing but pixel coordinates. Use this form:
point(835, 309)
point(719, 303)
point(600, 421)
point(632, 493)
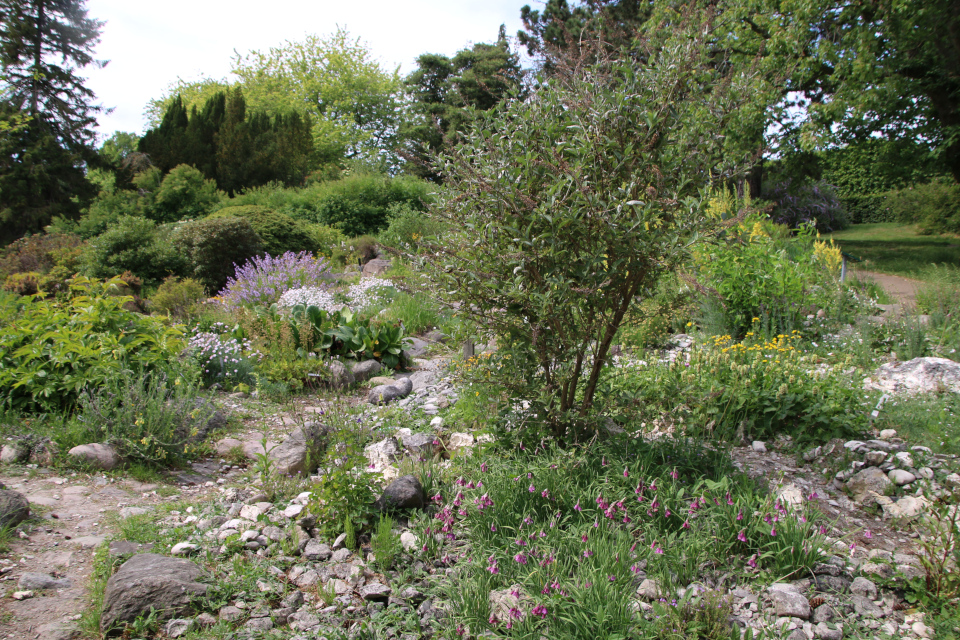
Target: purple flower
point(540, 611)
point(262, 280)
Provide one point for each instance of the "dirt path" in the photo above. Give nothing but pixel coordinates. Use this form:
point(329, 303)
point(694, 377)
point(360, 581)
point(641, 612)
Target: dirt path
point(903, 290)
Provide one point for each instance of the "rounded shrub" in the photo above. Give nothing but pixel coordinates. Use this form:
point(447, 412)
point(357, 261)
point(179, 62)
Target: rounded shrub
point(176, 297)
point(212, 247)
point(278, 232)
point(137, 245)
point(184, 193)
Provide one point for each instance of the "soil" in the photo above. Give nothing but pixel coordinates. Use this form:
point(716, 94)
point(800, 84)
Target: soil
point(902, 290)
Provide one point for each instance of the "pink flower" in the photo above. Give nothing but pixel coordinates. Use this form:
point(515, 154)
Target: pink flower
point(674, 474)
point(484, 467)
point(626, 474)
point(742, 536)
point(493, 528)
point(516, 613)
point(773, 531)
point(729, 500)
point(587, 553)
point(491, 620)
point(813, 496)
point(612, 578)
point(740, 515)
point(584, 537)
point(603, 461)
point(520, 558)
point(867, 534)
point(532, 489)
point(577, 506)
point(685, 525)
point(544, 493)
point(666, 513)
point(540, 611)
point(752, 562)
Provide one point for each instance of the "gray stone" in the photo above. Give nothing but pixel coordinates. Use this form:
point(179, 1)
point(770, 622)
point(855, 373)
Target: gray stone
point(39, 581)
point(649, 589)
point(304, 445)
point(759, 446)
point(825, 632)
point(422, 379)
point(338, 376)
point(832, 584)
point(340, 556)
point(416, 347)
point(863, 587)
point(205, 619)
point(409, 541)
point(57, 631)
point(866, 480)
point(875, 458)
point(384, 394)
point(303, 621)
point(375, 267)
point(148, 580)
point(421, 443)
point(230, 613)
point(15, 452)
point(865, 607)
point(44, 453)
point(365, 370)
point(403, 493)
point(900, 477)
point(375, 592)
point(96, 455)
point(293, 601)
point(14, 508)
point(920, 375)
point(259, 624)
point(184, 549)
point(788, 602)
point(316, 551)
point(383, 453)
point(120, 548)
point(178, 627)
point(823, 613)
point(906, 507)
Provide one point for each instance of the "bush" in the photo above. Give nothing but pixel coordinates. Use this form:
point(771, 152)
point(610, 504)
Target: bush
point(213, 247)
point(39, 253)
point(224, 360)
point(935, 206)
point(360, 204)
point(278, 232)
point(325, 239)
point(23, 284)
point(184, 193)
point(408, 228)
point(177, 298)
point(804, 203)
point(137, 245)
point(52, 351)
point(262, 281)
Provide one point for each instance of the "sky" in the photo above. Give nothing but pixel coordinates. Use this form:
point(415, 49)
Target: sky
point(150, 45)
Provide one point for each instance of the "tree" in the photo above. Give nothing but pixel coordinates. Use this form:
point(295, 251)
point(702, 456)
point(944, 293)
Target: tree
point(43, 43)
point(569, 207)
point(447, 94)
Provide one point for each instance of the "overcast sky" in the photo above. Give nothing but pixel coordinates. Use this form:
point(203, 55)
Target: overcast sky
point(150, 45)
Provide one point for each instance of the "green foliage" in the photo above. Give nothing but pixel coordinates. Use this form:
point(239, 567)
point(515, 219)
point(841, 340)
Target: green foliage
point(350, 541)
point(385, 544)
point(574, 203)
point(344, 334)
point(935, 206)
point(52, 351)
point(23, 284)
point(213, 247)
point(897, 248)
point(279, 233)
point(418, 313)
point(184, 193)
point(149, 418)
point(133, 244)
point(178, 298)
point(408, 228)
point(39, 253)
point(361, 204)
point(705, 617)
point(325, 239)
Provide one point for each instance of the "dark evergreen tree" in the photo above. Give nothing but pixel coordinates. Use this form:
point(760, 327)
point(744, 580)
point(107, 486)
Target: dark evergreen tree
point(43, 43)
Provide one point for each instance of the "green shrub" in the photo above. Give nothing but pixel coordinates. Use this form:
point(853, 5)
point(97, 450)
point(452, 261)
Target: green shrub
point(22, 284)
point(360, 204)
point(797, 204)
point(177, 298)
point(325, 239)
point(51, 351)
point(872, 207)
point(134, 244)
point(184, 193)
point(39, 253)
point(935, 206)
point(214, 246)
point(408, 227)
point(278, 232)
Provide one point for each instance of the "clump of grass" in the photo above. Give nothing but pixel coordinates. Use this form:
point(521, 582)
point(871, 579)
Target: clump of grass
point(385, 544)
point(929, 420)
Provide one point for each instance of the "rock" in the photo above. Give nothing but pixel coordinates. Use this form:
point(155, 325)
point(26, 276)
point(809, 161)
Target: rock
point(952, 481)
point(865, 607)
point(791, 494)
point(920, 375)
point(900, 477)
point(375, 267)
point(863, 587)
point(649, 589)
point(375, 592)
point(384, 394)
point(338, 376)
point(383, 453)
point(226, 447)
point(304, 443)
point(788, 602)
point(184, 549)
point(906, 507)
point(759, 446)
point(419, 443)
point(876, 569)
point(423, 379)
point(316, 551)
point(15, 452)
point(146, 581)
point(57, 631)
point(832, 584)
point(824, 632)
point(416, 347)
point(823, 613)
point(461, 440)
point(303, 621)
point(377, 381)
point(888, 434)
point(259, 624)
point(230, 614)
point(875, 458)
point(178, 627)
point(96, 455)
point(14, 508)
point(904, 459)
point(293, 601)
point(129, 512)
point(88, 542)
point(40, 581)
point(44, 453)
point(119, 548)
point(501, 602)
point(365, 370)
point(402, 493)
point(22, 595)
point(409, 541)
point(868, 479)
point(206, 619)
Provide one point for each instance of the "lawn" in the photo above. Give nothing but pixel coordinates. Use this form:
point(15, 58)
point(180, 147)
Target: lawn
point(889, 247)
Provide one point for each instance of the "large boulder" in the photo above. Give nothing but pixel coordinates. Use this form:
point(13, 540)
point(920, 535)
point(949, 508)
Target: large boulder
point(402, 493)
point(867, 480)
point(300, 449)
point(920, 375)
point(384, 453)
point(14, 508)
point(366, 370)
point(15, 452)
point(339, 376)
point(375, 267)
point(150, 581)
point(96, 455)
point(388, 393)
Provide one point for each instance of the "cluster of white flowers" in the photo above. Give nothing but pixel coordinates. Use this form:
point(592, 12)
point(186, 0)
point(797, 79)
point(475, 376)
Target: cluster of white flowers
point(359, 296)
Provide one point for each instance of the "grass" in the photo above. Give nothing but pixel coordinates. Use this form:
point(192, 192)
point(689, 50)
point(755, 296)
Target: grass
point(898, 249)
point(929, 420)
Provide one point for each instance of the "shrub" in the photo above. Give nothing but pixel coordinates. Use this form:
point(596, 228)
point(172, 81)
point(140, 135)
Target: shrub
point(38, 253)
point(278, 232)
point(177, 298)
point(224, 360)
point(23, 284)
point(134, 244)
point(361, 203)
point(184, 193)
point(408, 227)
point(325, 239)
point(804, 203)
point(262, 281)
point(935, 206)
point(212, 248)
point(51, 351)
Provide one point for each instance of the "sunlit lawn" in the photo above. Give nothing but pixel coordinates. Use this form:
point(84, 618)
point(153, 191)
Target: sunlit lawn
point(889, 247)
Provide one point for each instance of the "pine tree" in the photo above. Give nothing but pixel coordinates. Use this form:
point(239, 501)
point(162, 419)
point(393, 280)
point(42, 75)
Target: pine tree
point(43, 44)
